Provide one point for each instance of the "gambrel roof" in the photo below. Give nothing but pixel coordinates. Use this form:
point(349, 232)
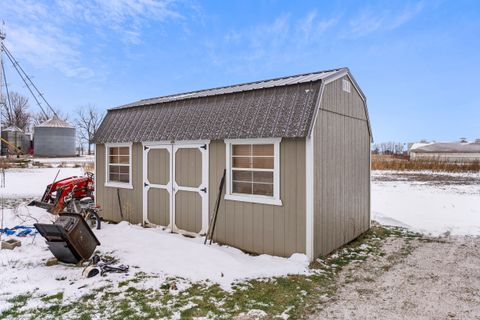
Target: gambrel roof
point(281, 107)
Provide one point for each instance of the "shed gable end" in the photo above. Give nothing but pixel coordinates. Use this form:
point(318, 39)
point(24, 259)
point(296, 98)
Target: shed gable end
point(338, 100)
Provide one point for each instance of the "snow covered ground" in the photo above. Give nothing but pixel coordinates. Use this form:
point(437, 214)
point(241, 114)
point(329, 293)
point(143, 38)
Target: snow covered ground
point(31, 182)
point(68, 161)
point(432, 203)
point(426, 202)
point(151, 251)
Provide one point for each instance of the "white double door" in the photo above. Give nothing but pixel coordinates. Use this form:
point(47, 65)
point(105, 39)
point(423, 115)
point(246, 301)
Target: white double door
point(175, 190)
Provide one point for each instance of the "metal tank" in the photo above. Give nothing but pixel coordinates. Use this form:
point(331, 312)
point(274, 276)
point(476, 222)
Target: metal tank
point(54, 138)
point(15, 137)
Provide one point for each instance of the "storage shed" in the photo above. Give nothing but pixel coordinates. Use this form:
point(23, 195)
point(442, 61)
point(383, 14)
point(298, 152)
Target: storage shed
point(296, 151)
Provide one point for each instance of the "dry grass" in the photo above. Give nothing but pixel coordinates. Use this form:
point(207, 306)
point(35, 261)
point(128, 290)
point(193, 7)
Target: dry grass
point(387, 162)
point(4, 164)
point(88, 167)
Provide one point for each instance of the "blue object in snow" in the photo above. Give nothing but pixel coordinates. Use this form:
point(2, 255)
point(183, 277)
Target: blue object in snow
point(22, 231)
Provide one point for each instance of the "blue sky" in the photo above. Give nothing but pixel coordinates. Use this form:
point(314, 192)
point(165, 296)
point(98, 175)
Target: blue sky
point(417, 61)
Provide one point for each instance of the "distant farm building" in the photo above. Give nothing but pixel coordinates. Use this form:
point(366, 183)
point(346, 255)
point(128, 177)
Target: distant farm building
point(14, 141)
point(461, 151)
point(54, 138)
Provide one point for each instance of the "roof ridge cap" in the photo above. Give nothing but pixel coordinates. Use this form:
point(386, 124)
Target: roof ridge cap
point(229, 86)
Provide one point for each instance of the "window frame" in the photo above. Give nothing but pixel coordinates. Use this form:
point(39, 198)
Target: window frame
point(118, 184)
point(272, 200)
point(346, 86)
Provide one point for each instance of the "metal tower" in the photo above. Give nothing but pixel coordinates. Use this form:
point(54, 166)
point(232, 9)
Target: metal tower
point(2, 37)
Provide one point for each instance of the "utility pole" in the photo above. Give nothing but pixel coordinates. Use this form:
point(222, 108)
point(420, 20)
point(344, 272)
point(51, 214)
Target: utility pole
point(2, 37)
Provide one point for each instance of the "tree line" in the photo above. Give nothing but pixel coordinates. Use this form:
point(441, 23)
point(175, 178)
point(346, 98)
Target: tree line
point(389, 148)
point(15, 111)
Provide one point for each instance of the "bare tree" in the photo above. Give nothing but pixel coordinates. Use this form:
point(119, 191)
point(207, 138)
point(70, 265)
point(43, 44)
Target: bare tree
point(40, 117)
point(399, 148)
point(14, 111)
point(87, 122)
point(389, 147)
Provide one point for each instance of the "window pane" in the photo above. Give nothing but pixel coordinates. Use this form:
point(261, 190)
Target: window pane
point(113, 176)
point(263, 163)
point(241, 149)
point(113, 159)
point(114, 151)
point(263, 189)
point(263, 176)
point(263, 150)
point(119, 173)
point(242, 187)
point(124, 159)
point(124, 169)
point(114, 169)
point(238, 175)
point(123, 178)
point(123, 151)
point(240, 162)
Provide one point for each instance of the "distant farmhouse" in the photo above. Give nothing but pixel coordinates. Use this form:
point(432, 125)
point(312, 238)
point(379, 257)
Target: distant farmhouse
point(461, 151)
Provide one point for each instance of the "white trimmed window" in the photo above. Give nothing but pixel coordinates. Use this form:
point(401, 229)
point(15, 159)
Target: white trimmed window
point(118, 165)
point(253, 167)
point(346, 86)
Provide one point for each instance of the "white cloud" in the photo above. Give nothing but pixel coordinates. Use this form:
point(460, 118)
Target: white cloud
point(125, 17)
point(312, 26)
point(52, 35)
point(280, 40)
point(369, 21)
point(366, 23)
point(406, 15)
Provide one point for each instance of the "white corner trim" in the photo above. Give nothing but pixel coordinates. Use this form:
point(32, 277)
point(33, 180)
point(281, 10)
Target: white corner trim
point(370, 187)
point(95, 173)
point(309, 196)
point(116, 184)
point(229, 195)
point(144, 187)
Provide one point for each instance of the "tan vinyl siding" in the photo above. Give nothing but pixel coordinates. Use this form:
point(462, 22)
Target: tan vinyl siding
point(341, 169)
point(336, 100)
point(131, 199)
point(262, 228)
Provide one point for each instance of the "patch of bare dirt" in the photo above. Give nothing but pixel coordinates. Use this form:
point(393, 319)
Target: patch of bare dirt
point(429, 178)
point(414, 279)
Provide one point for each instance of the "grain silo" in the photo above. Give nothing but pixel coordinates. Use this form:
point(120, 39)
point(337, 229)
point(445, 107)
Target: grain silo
point(13, 137)
point(54, 138)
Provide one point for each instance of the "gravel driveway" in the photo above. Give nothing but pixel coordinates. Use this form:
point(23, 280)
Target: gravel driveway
point(437, 278)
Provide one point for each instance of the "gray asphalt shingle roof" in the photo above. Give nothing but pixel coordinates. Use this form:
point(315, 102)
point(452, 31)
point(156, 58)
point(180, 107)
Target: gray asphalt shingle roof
point(282, 107)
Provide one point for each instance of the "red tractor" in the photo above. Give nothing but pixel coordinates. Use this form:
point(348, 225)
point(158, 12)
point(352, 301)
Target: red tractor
point(56, 193)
